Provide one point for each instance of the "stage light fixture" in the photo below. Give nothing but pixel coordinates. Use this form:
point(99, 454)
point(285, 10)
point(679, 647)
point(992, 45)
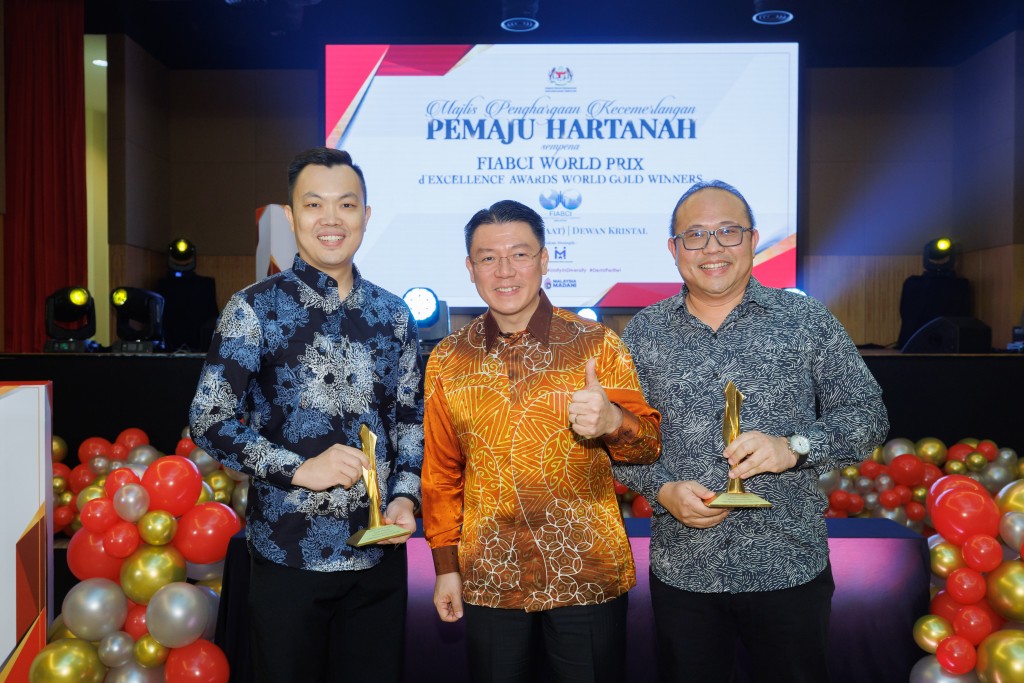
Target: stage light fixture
point(519, 16)
point(589, 314)
point(139, 314)
point(431, 315)
point(770, 17)
point(181, 256)
point(939, 256)
point(70, 321)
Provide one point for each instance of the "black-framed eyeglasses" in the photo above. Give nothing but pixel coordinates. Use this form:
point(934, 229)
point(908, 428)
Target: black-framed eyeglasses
point(727, 236)
point(518, 260)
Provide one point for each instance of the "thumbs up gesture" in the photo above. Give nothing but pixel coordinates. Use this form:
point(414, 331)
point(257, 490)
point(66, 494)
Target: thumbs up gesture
point(591, 414)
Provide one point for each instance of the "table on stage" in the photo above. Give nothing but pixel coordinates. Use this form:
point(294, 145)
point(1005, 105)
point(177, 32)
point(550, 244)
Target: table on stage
point(881, 572)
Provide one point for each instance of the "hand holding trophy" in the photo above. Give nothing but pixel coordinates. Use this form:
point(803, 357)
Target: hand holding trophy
point(735, 496)
point(377, 531)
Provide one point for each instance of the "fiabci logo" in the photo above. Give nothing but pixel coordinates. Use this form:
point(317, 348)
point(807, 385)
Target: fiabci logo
point(560, 75)
point(551, 198)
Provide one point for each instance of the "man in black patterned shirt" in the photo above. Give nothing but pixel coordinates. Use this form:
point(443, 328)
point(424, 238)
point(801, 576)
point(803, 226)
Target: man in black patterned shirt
point(760, 576)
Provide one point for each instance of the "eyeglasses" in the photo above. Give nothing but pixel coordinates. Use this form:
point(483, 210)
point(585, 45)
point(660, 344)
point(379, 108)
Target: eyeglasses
point(727, 236)
point(518, 260)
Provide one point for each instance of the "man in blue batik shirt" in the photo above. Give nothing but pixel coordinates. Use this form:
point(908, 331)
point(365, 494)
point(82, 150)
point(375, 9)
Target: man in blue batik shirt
point(761, 576)
point(299, 362)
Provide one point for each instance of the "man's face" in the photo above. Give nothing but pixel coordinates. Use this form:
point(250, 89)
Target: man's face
point(328, 217)
point(511, 290)
point(714, 272)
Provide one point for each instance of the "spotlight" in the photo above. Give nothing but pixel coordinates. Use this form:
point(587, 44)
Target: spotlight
point(519, 16)
point(181, 257)
point(589, 314)
point(939, 257)
point(70, 321)
point(431, 315)
point(770, 17)
point(140, 315)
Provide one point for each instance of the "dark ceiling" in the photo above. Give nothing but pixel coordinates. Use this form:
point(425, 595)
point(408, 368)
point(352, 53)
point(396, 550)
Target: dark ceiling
point(206, 34)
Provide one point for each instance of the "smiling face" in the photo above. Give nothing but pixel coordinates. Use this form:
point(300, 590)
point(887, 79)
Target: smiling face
point(714, 274)
point(328, 217)
point(511, 291)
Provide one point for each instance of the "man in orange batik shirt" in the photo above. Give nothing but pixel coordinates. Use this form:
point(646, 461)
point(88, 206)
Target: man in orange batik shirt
point(526, 407)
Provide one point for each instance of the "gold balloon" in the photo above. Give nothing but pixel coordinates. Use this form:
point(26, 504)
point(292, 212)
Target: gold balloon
point(945, 558)
point(205, 494)
point(930, 449)
point(58, 449)
point(213, 584)
point(149, 653)
point(920, 494)
point(1011, 497)
point(1001, 657)
point(220, 481)
point(973, 443)
point(1020, 469)
point(70, 660)
point(149, 569)
point(976, 461)
point(60, 485)
point(1006, 590)
point(66, 497)
point(90, 492)
point(157, 527)
point(850, 472)
point(929, 630)
point(58, 630)
point(878, 455)
point(955, 467)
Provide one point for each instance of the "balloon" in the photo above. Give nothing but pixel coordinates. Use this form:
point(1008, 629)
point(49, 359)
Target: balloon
point(856, 504)
point(1001, 657)
point(94, 608)
point(965, 585)
point(58, 449)
point(212, 611)
point(932, 473)
point(1006, 456)
point(173, 483)
point(131, 502)
point(204, 532)
point(943, 605)
point(116, 649)
point(829, 481)
point(62, 516)
point(894, 447)
point(215, 584)
point(121, 540)
point(929, 630)
point(58, 630)
point(956, 654)
point(870, 469)
point(915, 511)
point(143, 454)
point(69, 660)
point(149, 569)
point(99, 465)
point(890, 499)
point(959, 514)
point(973, 623)
point(975, 461)
point(1011, 497)
point(950, 482)
point(90, 492)
point(988, 448)
point(1006, 590)
point(641, 508)
point(87, 559)
point(99, 515)
point(884, 482)
point(995, 477)
point(135, 623)
point(242, 476)
point(200, 662)
point(118, 478)
point(80, 477)
point(203, 572)
point(158, 527)
point(906, 469)
point(896, 514)
point(839, 500)
point(185, 446)
point(982, 553)
point(240, 498)
point(133, 672)
point(1011, 529)
point(132, 437)
point(620, 488)
point(930, 450)
point(149, 653)
point(959, 451)
point(203, 460)
point(93, 446)
point(177, 614)
point(222, 485)
point(928, 670)
point(955, 467)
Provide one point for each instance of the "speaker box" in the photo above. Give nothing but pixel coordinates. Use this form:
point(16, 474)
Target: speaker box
point(951, 335)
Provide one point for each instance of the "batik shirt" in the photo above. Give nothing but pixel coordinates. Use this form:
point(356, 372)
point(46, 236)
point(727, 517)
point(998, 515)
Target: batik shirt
point(799, 373)
point(514, 499)
point(294, 369)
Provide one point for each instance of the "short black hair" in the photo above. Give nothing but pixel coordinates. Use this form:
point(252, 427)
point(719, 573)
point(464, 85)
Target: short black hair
point(321, 156)
point(709, 185)
point(505, 211)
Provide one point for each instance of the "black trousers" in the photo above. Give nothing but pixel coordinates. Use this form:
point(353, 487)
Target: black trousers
point(784, 633)
point(329, 626)
point(583, 643)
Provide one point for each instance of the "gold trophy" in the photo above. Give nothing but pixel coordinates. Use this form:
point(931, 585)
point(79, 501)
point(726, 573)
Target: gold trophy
point(735, 496)
point(377, 531)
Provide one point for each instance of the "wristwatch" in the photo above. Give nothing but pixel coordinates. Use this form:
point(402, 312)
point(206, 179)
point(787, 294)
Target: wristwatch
point(801, 447)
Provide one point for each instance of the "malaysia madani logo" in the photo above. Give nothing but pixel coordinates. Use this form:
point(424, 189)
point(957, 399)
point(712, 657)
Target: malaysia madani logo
point(560, 75)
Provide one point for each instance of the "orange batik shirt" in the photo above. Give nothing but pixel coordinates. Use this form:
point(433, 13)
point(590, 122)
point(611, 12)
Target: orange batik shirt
point(514, 499)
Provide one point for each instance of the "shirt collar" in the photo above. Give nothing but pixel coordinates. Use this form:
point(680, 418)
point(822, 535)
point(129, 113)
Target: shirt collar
point(320, 281)
point(755, 293)
point(539, 325)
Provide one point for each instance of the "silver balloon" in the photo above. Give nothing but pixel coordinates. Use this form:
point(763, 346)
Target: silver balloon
point(896, 514)
point(976, 476)
point(928, 670)
point(213, 609)
point(116, 649)
point(864, 485)
point(131, 502)
point(133, 672)
point(240, 498)
point(915, 525)
point(846, 485)
point(99, 465)
point(177, 614)
point(1011, 529)
point(94, 608)
point(116, 464)
point(871, 501)
point(1006, 456)
point(204, 572)
point(883, 482)
point(995, 476)
point(934, 540)
point(138, 468)
point(204, 461)
point(144, 454)
point(894, 447)
point(829, 481)
point(186, 433)
point(236, 475)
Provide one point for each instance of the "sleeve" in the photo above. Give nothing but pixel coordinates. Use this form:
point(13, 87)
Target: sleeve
point(443, 478)
point(638, 439)
point(405, 477)
point(218, 419)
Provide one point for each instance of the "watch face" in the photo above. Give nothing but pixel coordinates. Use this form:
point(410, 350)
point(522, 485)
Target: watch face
point(800, 444)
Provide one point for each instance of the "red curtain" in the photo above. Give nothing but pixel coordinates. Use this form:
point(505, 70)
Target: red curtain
point(45, 225)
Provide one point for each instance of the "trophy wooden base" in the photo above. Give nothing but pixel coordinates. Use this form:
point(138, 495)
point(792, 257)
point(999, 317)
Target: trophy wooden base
point(730, 499)
point(376, 535)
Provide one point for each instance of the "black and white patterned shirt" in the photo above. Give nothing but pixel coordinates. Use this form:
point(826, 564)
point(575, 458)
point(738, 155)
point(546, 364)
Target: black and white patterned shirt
point(294, 369)
point(800, 373)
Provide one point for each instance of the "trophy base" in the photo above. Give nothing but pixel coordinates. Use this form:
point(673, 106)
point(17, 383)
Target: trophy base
point(376, 535)
point(738, 500)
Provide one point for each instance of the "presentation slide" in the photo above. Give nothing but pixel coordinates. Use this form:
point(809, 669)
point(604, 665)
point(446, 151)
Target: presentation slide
point(601, 140)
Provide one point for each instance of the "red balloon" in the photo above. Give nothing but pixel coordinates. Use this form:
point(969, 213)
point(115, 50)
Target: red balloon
point(906, 495)
point(956, 655)
point(890, 499)
point(187, 445)
point(88, 560)
point(945, 606)
point(173, 483)
point(620, 488)
point(932, 473)
point(870, 469)
point(856, 504)
point(951, 482)
point(915, 511)
point(61, 470)
point(198, 662)
point(832, 513)
point(907, 469)
point(641, 508)
point(119, 451)
point(99, 515)
point(118, 478)
point(205, 530)
point(80, 477)
point(91, 447)
point(132, 437)
point(960, 514)
point(973, 623)
point(997, 619)
point(965, 585)
point(121, 540)
point(958, 451)
point(839, 500)
point(988, 448)
point(62, 516)
point(982, 553)
point(135, 624)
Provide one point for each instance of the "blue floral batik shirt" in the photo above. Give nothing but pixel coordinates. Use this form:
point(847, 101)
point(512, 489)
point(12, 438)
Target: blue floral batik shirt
point(294, 369)
point(799, 373)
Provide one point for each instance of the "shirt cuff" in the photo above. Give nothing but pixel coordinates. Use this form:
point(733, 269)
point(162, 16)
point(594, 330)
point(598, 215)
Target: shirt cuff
point(626, 432)
point(446, 559)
